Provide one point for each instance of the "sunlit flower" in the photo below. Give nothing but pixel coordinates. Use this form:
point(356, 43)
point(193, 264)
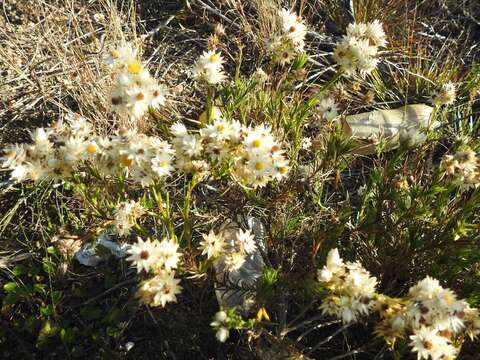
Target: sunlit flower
point(144, 254)
point(212, 245)
point(125, 216)
point(246, 241)
point(160, 290)
point(209, 68)
point(357, 51)
point(446, 95)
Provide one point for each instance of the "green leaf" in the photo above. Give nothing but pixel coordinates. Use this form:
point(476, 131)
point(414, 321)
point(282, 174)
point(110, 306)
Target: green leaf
point(19, 270)
point(52, 250)
point(46, 310)
point(67, 335)
point(48, 266)
point(48, 330)
point(10, 287)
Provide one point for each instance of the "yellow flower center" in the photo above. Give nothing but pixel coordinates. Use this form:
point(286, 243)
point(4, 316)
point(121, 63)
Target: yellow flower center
point(214, 58)
point(258, 166)
point(283, 170)
point(449, 299)
point(125, 161)
point(140, 96)
point(115, 54)
point(427, 345)
point(92, 148)
point(220, 127)
point(134, 68)
point(256, 143)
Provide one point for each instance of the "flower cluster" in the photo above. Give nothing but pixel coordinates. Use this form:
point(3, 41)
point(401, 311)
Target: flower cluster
point(393, 323)
point(144, 159)
point(435, 316)
point(445, 96)
point(134, 90)
point(58, 151)
point(225, 320)
point(212, 245)
point(432, 315)
point(126, 214)
point(290, 40)
point(209, 68)
point(233, 252)
point(357, 51)
point(252, 153)
point(328, 109)
point(239, 248)
point(54, 152)
point(161, 258)
point(351, 287)
point(220, 324)
point(464, 167)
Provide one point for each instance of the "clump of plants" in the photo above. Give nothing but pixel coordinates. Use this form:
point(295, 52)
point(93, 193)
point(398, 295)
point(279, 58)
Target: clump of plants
point(156, 204)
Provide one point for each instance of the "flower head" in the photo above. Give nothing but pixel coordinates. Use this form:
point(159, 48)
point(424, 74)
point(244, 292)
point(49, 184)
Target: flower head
point(143, 254)
point(212, 245)
point(209, 68)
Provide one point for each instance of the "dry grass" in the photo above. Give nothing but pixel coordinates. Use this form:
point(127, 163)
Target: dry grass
point(51, 64)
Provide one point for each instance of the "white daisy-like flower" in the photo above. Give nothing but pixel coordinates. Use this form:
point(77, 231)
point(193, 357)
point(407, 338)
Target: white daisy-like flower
point(357, 51)
point(352, 288)
point(125, 216)
point(260, 165)
point(14, 155)
point(166, 289)
point(328, 109)
point(293, 28)
point(427, 344)
point(246, 241)
point(375, 34)
point(234, 260)
point(289, 41)
point(168, 257)
point(74, 150)
point(41, 142)
point(134, 90)
point(120, 55)
point(219, 131)
point(160, 290)
point(222, 334)
point(209, 68)
point(212, 245)
point(144, 254)
point(79, 126)
point(334, 261)
point(357, 30)
point(259, 139)
point(220, 324)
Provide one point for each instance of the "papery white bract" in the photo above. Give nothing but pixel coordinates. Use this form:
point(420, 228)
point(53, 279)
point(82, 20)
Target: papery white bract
point(209, 68)
point(357, 51)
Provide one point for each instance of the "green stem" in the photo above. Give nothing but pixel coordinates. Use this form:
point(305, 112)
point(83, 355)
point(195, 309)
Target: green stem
point(164, 209)
point(187, 221)
point(209, 106)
